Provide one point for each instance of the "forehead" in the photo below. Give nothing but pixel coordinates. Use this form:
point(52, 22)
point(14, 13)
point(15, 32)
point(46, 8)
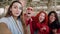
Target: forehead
point(17, 4)
point(52, 14)
point(42, 14)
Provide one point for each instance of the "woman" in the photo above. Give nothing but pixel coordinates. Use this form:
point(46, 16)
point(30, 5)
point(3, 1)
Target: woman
point(13, 21)
point(53, 22)
point(41, 23)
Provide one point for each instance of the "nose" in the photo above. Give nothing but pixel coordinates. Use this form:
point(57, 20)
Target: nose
point(18, 9)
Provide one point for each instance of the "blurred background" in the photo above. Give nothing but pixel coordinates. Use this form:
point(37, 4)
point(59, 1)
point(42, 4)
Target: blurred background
point(46, 5)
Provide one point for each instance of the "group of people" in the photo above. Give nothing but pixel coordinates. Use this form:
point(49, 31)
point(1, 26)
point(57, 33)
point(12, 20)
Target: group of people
point(42, 23)
point(17, 22)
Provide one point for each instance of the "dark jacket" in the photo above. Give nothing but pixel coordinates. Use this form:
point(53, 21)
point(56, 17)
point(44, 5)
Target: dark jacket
point(54, 25)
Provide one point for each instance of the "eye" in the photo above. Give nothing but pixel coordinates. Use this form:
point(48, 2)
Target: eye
point(29, 9)
point(15, 7)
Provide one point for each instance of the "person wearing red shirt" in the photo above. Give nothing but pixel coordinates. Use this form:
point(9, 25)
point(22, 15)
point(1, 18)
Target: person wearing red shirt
point(41, 24)
point(28, 19)
point(28, 14)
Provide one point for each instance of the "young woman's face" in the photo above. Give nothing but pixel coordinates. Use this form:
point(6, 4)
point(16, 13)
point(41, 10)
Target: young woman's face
point(16, 9)
point(52, 17)
point(41, 17)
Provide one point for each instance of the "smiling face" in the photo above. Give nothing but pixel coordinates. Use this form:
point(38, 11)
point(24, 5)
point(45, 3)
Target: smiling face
point(52, 17)
point(16, 9)
point(42, 17)
point(29, 11)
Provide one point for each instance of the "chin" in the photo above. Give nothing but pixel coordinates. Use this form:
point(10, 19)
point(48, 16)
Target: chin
point(41, 20)
point(16, 15)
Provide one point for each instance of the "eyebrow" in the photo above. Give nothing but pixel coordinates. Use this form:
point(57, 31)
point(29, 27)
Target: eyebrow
point(16, 5)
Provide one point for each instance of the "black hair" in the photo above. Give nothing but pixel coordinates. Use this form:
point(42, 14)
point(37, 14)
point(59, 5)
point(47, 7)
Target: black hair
point(56, 23)
point(56, 16)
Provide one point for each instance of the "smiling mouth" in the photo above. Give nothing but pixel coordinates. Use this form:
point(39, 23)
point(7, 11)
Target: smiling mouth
point(17, 13)
point(29, 13)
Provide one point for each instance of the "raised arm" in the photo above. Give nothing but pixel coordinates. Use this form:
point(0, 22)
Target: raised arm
point(4, 29)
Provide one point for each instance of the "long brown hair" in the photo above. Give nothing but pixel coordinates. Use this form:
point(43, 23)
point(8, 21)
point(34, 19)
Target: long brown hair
point(9, 13)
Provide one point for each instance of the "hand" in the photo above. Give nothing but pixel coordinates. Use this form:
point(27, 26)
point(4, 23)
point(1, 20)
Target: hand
point(44, 28)
point(54, 31)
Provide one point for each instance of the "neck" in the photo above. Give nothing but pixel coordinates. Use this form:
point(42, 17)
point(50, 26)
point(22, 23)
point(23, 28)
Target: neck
point(15, 17)
point(50, 22)
point(28, 16)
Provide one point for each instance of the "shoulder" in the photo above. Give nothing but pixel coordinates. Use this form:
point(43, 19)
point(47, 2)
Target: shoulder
point(4, 19)
point(4, 26)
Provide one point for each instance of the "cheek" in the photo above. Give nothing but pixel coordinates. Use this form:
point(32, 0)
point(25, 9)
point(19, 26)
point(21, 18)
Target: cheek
point(13, 10)
point(41, 18)
point(52, 18)
point(20, 12)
